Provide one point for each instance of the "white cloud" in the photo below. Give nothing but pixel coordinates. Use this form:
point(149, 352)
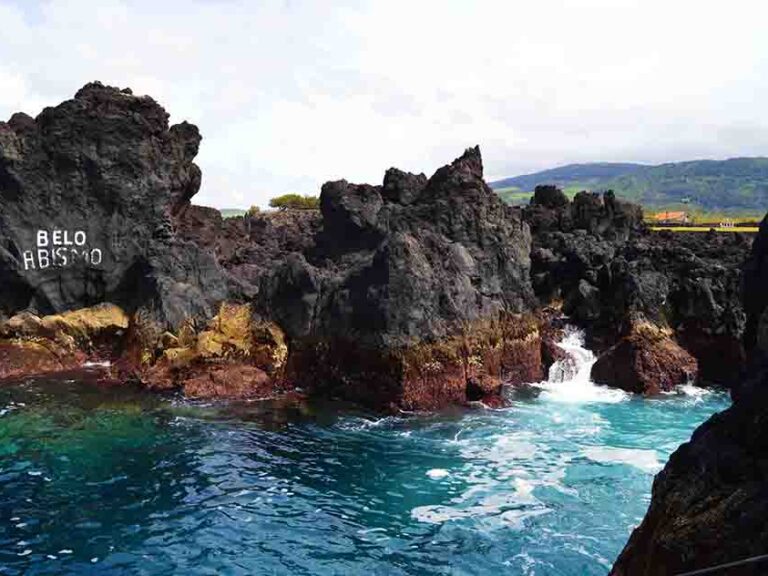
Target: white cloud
point(290, 94)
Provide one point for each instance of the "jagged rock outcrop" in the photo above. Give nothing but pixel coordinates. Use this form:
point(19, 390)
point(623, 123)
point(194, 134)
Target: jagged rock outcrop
point(248, 247)
point(412, 294)
point(708, 505)
point(611, 275)
point(646, 361)
point(397, 296)
point(88, 190)
point(754, 291)
point(412, 290)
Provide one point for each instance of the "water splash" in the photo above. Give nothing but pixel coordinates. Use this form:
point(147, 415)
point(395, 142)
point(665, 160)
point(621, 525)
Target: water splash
point(569, 379)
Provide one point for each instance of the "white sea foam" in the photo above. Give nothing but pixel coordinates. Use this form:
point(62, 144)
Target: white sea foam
point(510, 471)
point(501, 491)
point(362, 423)
point(104, 364)
point(569, 379)
point(437, 473)
point(693, 391)
point(645, 460)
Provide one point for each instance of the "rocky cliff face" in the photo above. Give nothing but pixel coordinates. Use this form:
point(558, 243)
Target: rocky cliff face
point(413, 258)
point(709, 503)
point(88, 190)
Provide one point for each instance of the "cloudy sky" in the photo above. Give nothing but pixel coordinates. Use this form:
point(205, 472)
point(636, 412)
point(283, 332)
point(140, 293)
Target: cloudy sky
point(291, 94)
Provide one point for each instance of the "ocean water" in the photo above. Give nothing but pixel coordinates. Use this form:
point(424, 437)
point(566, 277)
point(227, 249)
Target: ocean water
point(112, 481)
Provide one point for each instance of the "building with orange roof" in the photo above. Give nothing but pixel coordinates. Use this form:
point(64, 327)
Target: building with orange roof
point(671, 218)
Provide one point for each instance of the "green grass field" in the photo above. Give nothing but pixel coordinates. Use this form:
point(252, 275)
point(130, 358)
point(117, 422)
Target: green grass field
point(744, 229)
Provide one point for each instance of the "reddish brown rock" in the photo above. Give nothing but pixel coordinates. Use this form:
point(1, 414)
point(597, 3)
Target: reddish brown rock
point(647, 361)
point(230, 381)
point(31, 345)
point(471, 366)
point(550, 352)
point(236, 355)
point(19, 358)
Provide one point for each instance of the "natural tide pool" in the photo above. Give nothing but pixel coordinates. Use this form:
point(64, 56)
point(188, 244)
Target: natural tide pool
point(113, 481)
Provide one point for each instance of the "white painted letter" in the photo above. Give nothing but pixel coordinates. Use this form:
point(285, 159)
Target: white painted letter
point(80, 238)
point(29, 260)
point(61, 254)
point(67, 241)
point(95, 256)
point(42, 238)
point(57, 237)
point(42, 259)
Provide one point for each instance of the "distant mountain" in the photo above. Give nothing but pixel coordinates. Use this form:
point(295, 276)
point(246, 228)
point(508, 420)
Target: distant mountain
point(738, 184)
point(597, 172)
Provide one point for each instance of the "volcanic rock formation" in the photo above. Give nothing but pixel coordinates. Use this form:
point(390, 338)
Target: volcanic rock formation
point(87, 193)
point(404, 295)
point(646, 361)
point(398, 295)
point(613, 276)
point(413, 294)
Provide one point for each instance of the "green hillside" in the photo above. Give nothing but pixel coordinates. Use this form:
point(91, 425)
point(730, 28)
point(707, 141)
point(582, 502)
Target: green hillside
point(738, 185)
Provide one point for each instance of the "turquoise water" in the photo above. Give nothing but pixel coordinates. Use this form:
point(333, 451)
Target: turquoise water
point(112, 481)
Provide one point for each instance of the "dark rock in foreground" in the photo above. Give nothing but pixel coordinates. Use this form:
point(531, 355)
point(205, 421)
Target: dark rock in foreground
point(709, 504)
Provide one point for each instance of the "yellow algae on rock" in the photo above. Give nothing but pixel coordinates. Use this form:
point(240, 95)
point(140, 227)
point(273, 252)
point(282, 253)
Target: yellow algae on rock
point(87, 324)
point(82, 330)
point(229, 334)
point(236, 355)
